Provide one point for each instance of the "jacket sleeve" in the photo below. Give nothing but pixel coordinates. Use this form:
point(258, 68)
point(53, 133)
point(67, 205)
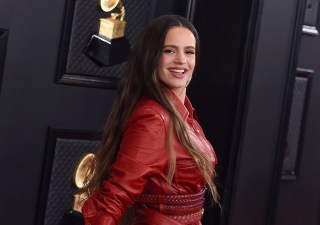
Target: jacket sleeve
point(142, 154)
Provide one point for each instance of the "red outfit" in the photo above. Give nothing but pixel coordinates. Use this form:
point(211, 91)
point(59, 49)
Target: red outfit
point(142, 164)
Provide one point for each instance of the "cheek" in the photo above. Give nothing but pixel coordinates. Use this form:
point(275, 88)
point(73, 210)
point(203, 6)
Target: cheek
point(161, 66)
point(162, 62)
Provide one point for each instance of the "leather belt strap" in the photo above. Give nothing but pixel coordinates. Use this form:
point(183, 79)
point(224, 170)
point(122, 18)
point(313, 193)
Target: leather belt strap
point(187, 208)
point(174, 199)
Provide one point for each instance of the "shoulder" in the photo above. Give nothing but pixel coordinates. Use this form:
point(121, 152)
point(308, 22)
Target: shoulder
point(150, 103)
point(148, 108)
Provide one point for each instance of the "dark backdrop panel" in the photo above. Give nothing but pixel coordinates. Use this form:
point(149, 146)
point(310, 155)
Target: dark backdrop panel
point(65, 149)
point(264, 126)
point(81, 22)
point(299, 198)
point(217, 85)
point(296, 203)
point(295, 133)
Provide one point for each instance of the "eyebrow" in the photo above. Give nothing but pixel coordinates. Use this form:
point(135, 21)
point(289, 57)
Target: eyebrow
point(175, 46)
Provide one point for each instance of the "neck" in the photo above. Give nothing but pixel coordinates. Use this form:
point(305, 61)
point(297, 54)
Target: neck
point(181, 93)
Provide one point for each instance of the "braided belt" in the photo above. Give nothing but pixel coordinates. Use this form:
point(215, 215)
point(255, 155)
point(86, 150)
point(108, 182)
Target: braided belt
point(187, 208)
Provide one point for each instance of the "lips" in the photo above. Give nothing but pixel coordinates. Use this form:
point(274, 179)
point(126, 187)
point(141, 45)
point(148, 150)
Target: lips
point(178, 72)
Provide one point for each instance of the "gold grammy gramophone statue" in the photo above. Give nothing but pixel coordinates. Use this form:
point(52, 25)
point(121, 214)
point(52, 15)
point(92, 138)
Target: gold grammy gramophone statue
point(112, 27)
point(110, 46)
point(81, 176)
point(80, 180)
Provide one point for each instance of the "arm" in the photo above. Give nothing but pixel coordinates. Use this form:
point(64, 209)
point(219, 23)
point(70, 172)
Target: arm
point(141, 155)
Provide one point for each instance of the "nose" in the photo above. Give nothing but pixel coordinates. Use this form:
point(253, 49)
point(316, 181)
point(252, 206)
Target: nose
point(180, 58)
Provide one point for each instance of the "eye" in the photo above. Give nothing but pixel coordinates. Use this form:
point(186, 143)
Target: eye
point(168, 51)
point(190, 52)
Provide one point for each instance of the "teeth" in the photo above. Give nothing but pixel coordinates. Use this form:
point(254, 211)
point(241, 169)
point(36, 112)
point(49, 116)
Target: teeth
point(177, 70)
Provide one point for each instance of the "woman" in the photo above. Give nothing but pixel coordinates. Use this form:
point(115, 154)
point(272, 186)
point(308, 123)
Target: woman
point(154, 157)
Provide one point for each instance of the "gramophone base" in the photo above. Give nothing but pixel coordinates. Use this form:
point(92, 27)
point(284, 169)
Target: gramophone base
point(72, 217)
point(108, 52)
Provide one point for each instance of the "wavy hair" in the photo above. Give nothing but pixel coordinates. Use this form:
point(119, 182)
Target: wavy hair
point(140, 77)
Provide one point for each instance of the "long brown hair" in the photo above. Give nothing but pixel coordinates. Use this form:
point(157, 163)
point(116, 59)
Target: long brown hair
point(138, 78)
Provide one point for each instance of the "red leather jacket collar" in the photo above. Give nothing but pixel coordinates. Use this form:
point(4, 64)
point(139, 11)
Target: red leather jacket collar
point(185, 110)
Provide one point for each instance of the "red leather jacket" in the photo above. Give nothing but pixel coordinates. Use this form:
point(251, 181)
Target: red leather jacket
point(142, 163)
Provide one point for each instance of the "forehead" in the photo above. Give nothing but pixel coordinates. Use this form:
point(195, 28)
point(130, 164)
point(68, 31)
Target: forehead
point(180, 36)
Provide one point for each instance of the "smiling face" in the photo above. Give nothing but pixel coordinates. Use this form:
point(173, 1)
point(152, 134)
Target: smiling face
point(177, 61)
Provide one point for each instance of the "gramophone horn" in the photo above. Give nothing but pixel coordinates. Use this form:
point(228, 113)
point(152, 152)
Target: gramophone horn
point(108, 5)
point(81, 170)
